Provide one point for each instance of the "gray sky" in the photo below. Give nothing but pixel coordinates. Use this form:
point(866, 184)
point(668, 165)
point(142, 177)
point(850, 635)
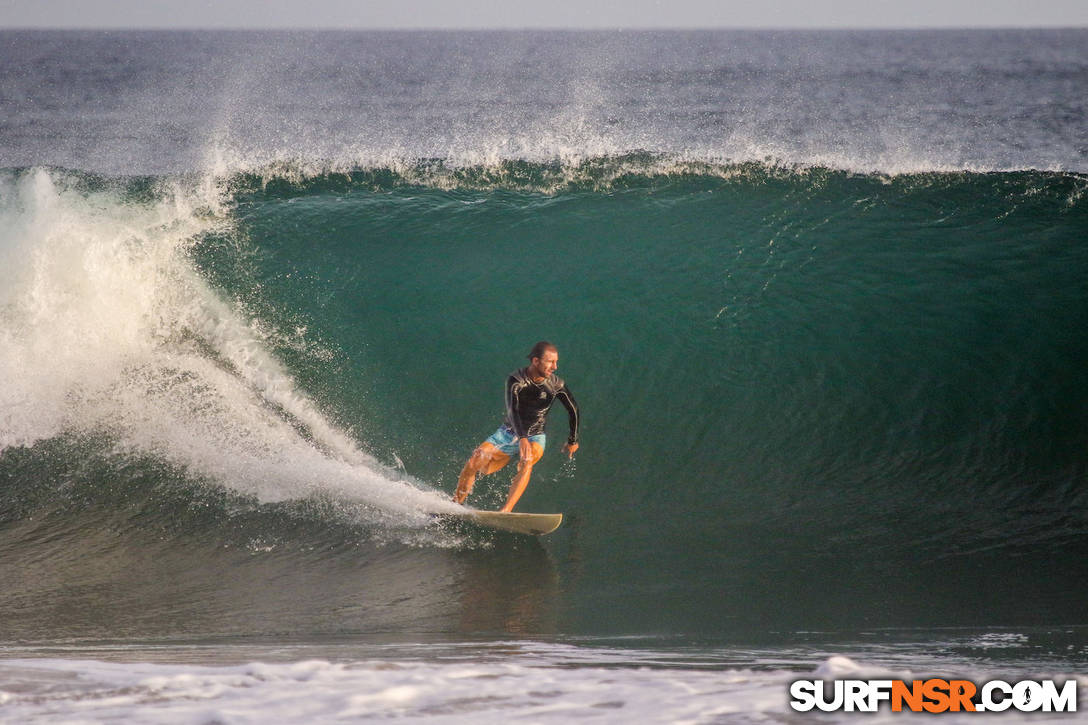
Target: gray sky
point(541, 13)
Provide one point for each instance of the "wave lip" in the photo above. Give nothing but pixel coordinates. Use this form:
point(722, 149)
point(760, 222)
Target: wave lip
point(605, 173)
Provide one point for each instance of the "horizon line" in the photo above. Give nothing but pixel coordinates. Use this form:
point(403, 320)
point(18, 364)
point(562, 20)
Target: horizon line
point(542, 28)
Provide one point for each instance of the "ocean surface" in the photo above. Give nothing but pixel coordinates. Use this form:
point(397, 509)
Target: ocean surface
point(821, 296)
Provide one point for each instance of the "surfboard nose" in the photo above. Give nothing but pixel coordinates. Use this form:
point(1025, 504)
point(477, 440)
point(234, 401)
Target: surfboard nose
point(517, 523)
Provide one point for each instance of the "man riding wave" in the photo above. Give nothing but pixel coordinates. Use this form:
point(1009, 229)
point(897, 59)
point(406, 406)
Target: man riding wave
point(530, 393)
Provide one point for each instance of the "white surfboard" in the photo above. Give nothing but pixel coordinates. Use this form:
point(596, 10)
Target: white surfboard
point(518, 523)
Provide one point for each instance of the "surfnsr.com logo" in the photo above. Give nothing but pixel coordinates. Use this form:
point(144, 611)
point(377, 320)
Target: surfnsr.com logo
point(933, 695)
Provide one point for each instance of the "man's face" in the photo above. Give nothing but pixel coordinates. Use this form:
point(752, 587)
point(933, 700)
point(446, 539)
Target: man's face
point(545, 365)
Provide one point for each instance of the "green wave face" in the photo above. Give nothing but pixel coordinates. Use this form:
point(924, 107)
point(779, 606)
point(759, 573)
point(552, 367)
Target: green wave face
point(797, 385)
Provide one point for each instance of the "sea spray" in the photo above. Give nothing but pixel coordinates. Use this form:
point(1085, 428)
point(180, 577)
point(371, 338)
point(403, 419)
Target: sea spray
point(109, 328)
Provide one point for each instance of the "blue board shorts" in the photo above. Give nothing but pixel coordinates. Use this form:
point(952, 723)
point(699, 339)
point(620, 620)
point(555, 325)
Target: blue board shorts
point(507, 442)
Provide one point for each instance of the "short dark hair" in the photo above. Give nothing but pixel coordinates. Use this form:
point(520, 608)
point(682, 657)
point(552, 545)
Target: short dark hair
point(540, 348)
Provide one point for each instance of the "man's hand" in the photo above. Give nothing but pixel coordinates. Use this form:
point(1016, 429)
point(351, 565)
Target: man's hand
point(569, 449)
point(525, 449)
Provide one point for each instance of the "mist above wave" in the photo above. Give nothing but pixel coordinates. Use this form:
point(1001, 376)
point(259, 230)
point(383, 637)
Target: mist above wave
point(899, 102)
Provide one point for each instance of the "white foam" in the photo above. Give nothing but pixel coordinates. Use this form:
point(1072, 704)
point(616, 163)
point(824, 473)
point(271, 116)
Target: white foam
point(525, 681)
point(105, 325)
point(842, 667)
point(320, 691)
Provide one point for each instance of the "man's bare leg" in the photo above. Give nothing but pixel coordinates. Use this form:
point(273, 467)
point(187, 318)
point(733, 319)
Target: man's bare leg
point(518, 485)
point(482, 462)
point(473, 466)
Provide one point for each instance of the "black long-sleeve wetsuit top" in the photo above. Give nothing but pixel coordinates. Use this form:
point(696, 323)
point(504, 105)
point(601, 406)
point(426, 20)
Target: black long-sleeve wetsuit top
point(527, 404)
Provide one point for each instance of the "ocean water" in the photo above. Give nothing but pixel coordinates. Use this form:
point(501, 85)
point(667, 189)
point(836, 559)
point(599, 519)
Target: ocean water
point(821, 297)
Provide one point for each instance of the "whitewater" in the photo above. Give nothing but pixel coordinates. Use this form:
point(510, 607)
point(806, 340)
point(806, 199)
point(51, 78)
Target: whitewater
point(820, 296)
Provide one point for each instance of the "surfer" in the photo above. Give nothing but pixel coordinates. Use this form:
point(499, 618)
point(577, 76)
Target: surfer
point(530, 393)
